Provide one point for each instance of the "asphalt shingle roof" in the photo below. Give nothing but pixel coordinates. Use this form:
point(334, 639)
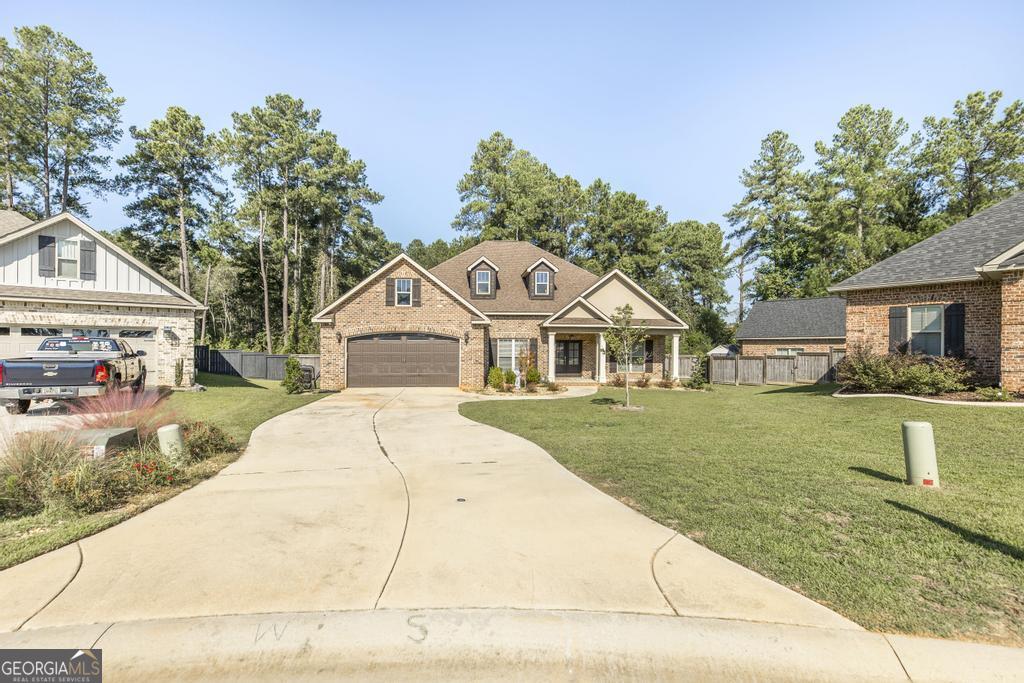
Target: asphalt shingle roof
point(92, 296)
point(512, 259)
point(952, 254)
point(12, 221)
point(795, 318)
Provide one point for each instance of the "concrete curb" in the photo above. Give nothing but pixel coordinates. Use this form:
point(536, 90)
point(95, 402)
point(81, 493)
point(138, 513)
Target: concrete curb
point(937, 401)
point(473, 644)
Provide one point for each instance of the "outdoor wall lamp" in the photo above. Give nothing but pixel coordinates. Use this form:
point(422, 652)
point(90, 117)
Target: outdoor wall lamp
point(465, 337)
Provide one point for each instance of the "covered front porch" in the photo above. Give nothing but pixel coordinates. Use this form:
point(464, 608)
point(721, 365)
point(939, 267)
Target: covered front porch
point(578, 355)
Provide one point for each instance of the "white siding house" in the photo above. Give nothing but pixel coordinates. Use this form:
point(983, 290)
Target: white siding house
point(60, 276)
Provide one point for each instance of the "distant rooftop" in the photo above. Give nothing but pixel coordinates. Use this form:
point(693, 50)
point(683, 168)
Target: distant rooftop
point(12, 221)
point(819, 318)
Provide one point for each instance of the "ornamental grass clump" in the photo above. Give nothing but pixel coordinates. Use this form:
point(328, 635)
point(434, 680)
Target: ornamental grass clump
point(145, 411)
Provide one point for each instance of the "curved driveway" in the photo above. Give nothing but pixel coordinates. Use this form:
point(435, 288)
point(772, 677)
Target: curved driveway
point(382, 530)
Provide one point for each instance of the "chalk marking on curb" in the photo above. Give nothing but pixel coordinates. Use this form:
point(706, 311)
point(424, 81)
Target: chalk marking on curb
point(56, 595)
point(405, 484)
point(654, 574)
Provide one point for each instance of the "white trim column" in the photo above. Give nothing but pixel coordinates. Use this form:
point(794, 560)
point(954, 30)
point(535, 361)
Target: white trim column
point(602, 359)
point(551, 356)
point(675, 356)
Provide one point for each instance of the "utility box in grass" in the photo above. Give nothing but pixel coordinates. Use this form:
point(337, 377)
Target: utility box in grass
point(98, 443)
point(919, 454)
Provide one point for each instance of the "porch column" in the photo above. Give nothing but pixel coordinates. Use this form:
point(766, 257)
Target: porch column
point(602, 357)
point(551, 356)
point(675, 356)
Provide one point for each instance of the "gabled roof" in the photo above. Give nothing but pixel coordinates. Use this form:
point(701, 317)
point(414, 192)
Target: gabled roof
point(819, 318)
point(958, 253)
point(670, 319)
point(102, 296)
point(483, 259)
point(512, 295)
point(538, 262)
point(596, 317)
point(321, 317)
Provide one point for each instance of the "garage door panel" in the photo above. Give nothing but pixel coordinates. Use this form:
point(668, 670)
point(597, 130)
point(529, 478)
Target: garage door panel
point(403, 360)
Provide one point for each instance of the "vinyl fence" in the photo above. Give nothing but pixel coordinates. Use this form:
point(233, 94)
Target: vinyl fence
point(249, 364)
point(802, 368)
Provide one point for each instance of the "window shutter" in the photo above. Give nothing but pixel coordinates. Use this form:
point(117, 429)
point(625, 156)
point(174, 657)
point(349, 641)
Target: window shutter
point(87, 260)
point(47, 256)
point(649, 355)
point(529, 284)
point(533, 351)
point(494, 353)
point(416, 292)
point(897, 329)
point(389, 292)
point(953, 316)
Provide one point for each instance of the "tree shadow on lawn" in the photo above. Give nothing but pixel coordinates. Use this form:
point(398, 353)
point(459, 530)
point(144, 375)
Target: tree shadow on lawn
point(971, 537)
point(605, 401)
point(884, 476)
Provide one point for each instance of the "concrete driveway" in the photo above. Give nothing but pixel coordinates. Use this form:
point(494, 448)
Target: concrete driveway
point(399, 526)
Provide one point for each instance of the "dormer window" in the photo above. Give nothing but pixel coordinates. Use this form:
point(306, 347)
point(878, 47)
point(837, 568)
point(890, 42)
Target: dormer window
point(541, 283)
point(483, 282)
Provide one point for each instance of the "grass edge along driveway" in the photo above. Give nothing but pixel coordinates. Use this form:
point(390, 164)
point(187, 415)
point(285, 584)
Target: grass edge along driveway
point(236, 405)
point(807, 490)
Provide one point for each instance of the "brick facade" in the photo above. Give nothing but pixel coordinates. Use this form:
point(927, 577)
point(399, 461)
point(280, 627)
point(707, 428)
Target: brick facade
point(366, 313)
point(520, 327)
point(1011, 361)
point(769, 347)
point(170, 347)
point(867, 317)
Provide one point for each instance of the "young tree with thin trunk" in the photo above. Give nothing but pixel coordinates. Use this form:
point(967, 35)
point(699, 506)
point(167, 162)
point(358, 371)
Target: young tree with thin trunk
point(173, 174)
point(622, 337)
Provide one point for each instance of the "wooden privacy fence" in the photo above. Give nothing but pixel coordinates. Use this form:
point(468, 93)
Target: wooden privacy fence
point(686, 366)
point(802, 368)
point(250, 364)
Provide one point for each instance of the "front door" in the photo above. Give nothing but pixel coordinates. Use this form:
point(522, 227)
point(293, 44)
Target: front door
point(568, 357)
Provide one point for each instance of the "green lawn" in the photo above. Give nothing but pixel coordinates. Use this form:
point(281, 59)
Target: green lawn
point(807, 490)
point(236, 405)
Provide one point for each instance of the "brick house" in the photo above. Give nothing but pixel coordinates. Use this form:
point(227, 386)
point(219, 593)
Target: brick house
point(958, 293)
point(61, 277)
point(790, 326)
point(490, 305)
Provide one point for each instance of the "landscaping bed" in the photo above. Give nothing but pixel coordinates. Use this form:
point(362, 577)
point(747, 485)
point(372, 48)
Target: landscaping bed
point(51, 496)
point(809, 491)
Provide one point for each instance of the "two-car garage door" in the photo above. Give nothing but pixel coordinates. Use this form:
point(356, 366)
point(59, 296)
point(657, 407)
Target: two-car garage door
point(403, 360)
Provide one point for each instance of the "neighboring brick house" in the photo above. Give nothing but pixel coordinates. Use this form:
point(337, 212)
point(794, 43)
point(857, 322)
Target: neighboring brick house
point(488, 306)
point(790, 326)
point(61, 277)
point(957, 293)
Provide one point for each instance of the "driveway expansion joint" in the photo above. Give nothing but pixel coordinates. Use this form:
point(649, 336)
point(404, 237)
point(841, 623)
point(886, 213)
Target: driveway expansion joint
point(74, 575)
point(405, 485)
point(654, 574)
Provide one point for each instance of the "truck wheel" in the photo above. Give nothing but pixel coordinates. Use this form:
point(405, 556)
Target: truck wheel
point(19, 407)
point(140, 384)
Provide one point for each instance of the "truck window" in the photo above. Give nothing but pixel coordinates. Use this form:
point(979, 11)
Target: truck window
point(78, 345)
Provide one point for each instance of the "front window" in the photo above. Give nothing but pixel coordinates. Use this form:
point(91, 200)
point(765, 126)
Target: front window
point(509, 351)
point(403, 292)
point(540, 283)
point(483, 282)
point(67, 258)
point(638, 357)
point(926, 330)
point(789, 351)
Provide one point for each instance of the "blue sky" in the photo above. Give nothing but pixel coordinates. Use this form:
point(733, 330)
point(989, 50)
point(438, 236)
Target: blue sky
point(668, 100)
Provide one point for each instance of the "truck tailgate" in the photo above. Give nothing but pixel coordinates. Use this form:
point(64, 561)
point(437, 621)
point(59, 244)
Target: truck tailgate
point(48, 373)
